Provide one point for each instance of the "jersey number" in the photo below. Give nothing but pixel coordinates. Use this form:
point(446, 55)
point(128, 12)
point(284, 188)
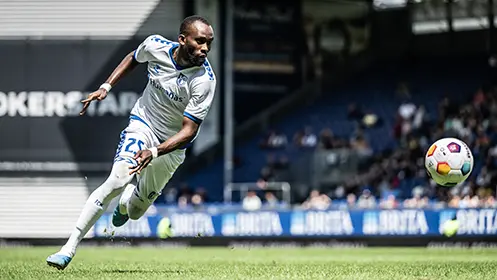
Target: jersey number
point(133, 142)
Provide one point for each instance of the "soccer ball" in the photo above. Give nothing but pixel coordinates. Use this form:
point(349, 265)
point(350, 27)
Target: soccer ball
point(449, 161)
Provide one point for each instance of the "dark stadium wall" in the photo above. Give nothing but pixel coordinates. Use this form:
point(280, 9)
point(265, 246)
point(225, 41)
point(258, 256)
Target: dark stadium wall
point(446, 32)
point(267, 54)
point(39, 100)
point(41, 89)
point(279, 45)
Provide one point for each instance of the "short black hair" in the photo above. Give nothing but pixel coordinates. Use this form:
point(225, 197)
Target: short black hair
point(188, 21)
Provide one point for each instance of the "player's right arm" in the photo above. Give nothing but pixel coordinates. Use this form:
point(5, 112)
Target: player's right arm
point(126, 65)
point(145, 52)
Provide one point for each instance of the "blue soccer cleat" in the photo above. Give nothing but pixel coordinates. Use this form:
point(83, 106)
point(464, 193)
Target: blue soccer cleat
point(58, 261)
point(119, 219)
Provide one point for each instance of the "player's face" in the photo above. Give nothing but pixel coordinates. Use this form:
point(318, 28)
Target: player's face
point(198, 43)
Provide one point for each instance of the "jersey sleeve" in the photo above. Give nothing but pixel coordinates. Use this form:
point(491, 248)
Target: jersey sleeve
point(150, 47)
point(201, 100)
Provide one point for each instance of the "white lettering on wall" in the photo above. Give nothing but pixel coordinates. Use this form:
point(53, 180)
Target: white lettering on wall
point(60, 104)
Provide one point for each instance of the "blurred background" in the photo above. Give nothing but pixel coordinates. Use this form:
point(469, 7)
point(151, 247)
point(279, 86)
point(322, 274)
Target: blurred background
point(324, 111)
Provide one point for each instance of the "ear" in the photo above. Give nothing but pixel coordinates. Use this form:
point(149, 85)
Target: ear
point(182, 39)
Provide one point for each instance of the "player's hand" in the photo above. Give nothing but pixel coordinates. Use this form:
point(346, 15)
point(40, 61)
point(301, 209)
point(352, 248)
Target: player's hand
point(143, 157)
point(99, 95)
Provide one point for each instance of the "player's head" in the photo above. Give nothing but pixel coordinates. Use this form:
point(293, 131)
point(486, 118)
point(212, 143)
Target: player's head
point(195, 38)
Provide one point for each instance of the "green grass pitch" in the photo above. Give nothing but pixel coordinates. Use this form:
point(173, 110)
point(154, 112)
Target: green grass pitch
point(261, 263)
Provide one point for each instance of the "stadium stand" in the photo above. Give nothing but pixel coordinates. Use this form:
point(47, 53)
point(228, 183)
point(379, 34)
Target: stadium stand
point(374, 92)
point(441, 97)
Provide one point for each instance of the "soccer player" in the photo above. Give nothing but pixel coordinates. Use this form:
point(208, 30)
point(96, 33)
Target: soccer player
point(164, 120)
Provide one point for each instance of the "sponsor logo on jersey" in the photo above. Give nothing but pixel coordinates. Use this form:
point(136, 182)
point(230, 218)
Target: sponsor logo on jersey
point(173, 96)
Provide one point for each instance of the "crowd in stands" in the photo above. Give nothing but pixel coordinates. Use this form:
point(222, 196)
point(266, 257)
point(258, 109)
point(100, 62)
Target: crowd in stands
point(389, 178)
point(380, 185)
point(474, 121)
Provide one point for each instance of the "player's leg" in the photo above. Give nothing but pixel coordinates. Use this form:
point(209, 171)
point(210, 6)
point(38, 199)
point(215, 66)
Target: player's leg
point(95, 206)
point(120, 216)
point(131, 141)
point(151, 182)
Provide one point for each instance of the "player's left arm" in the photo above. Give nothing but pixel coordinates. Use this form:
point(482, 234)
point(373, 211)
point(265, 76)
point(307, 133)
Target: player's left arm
point(194, 114)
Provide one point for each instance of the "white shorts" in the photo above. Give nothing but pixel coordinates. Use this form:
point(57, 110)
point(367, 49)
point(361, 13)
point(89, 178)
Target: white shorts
point(138, 136)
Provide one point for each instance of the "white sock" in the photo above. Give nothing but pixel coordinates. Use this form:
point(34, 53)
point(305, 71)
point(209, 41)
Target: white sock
point(125, 197)
point(92, 211)
point(96, 205)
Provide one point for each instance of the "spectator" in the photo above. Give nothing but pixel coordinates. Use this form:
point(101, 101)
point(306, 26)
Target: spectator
point(407, 110)
point(203, 194)
point(170, 195)
point(389, 203)
point(416, 202)
point(454, 201)
point(317, 201)
point(271, 200)
point(197, 201)
point(274, 141)
point(308, 139)
point(490, 202)
point(182, 202)
point(419, 118)
point(361, 146)
point(366, 200)
point(251, 202)
point(351, 200)
point(467, 202)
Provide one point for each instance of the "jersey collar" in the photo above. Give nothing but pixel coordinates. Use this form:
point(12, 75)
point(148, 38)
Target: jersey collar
point(171, 51)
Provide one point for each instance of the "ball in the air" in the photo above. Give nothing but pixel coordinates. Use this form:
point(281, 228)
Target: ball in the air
point(164, 228)
point(449, 161)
